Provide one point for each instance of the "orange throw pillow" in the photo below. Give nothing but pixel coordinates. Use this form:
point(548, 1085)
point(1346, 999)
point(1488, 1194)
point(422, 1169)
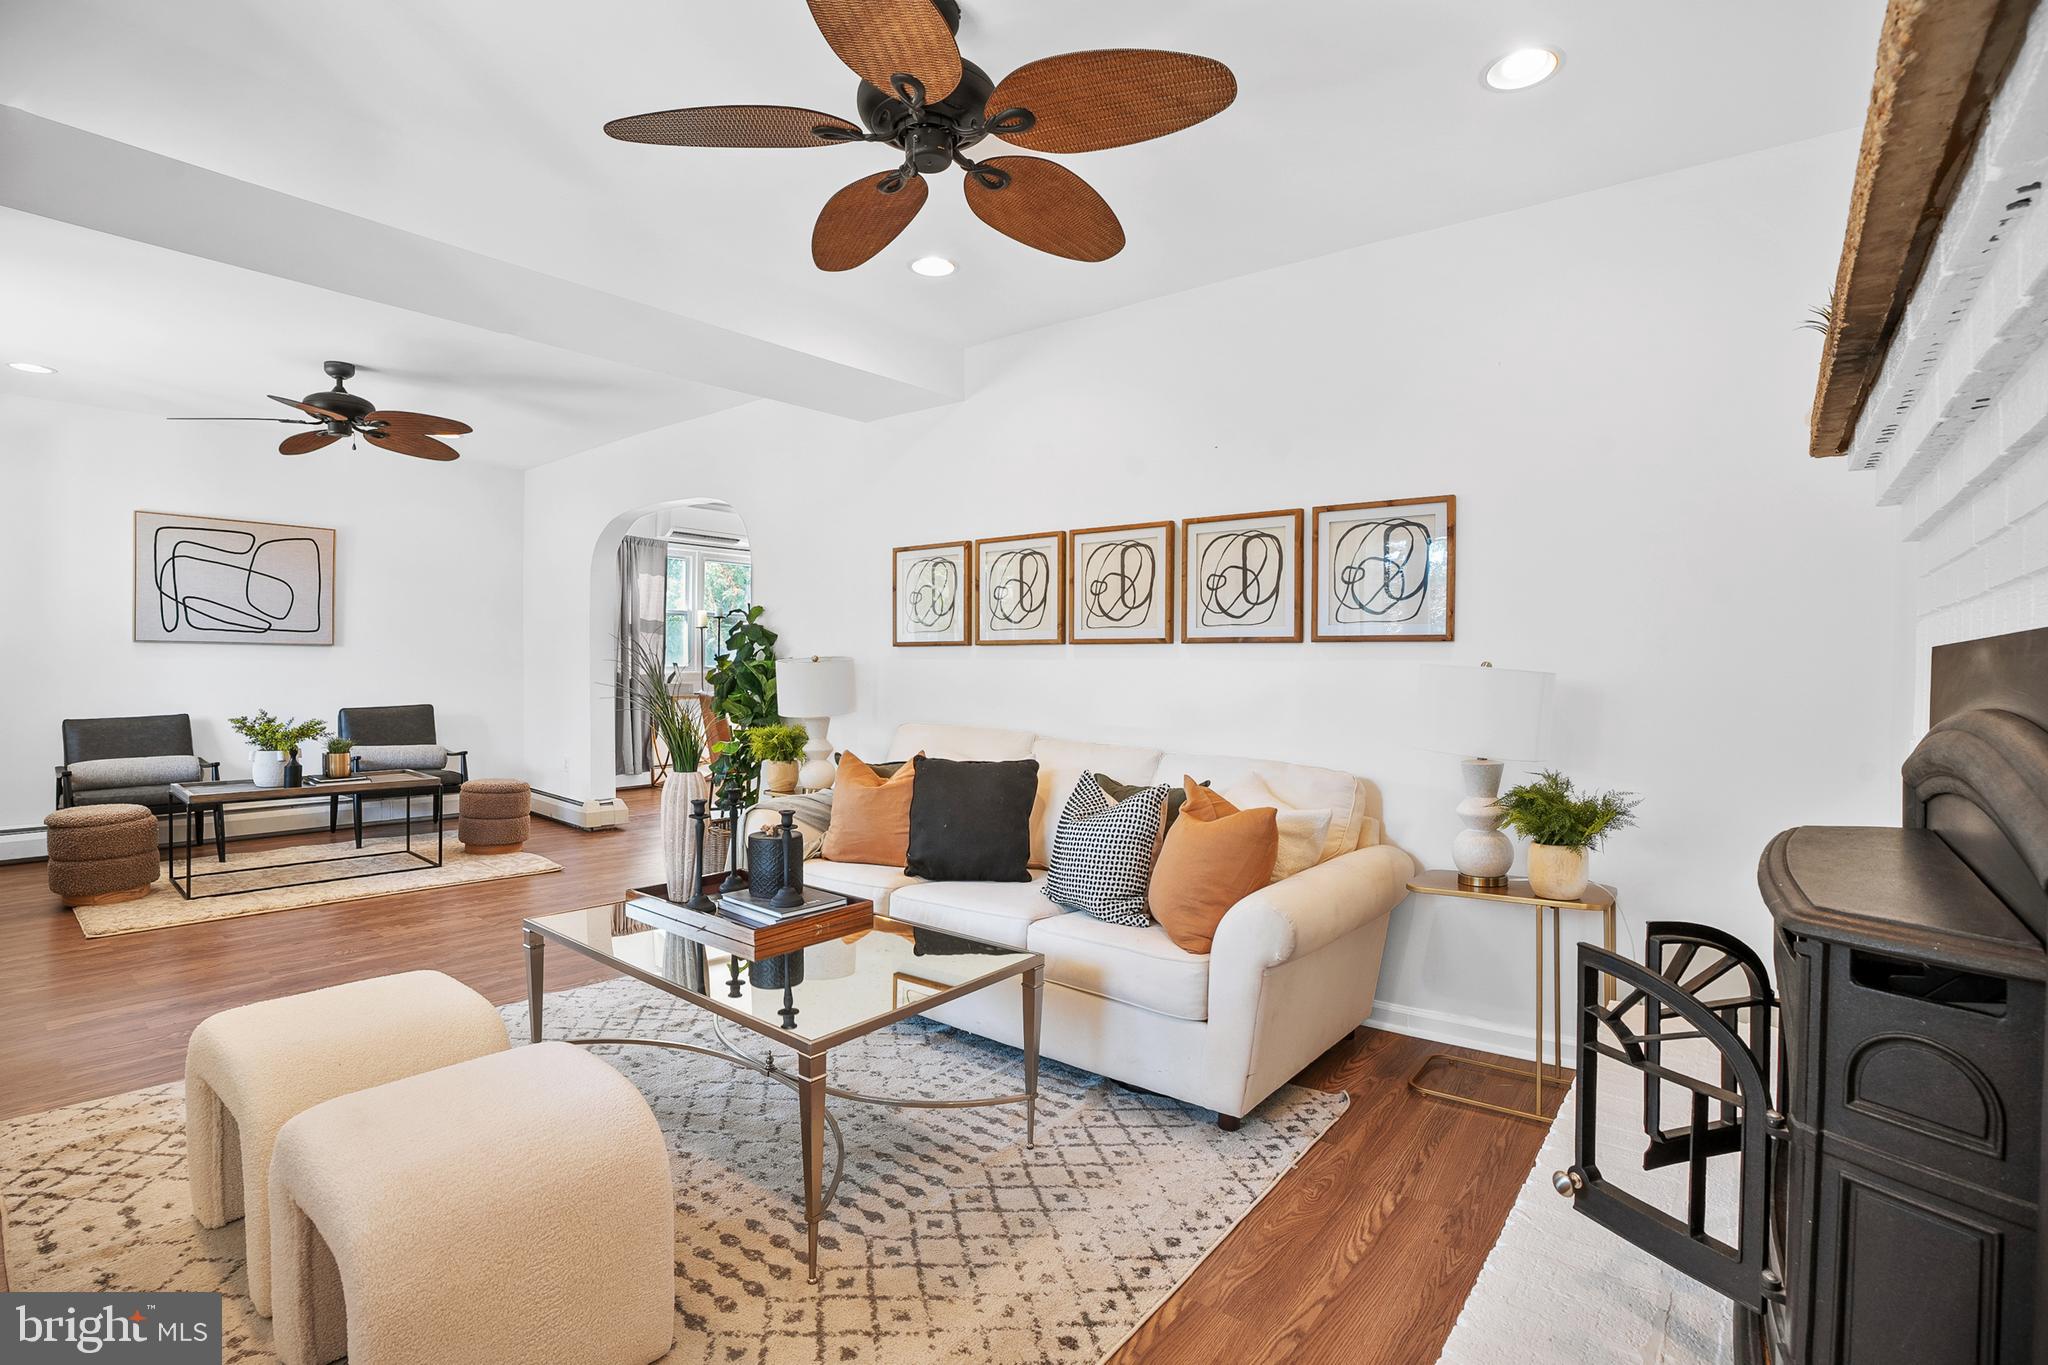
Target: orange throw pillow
point(1215, 855)
point(870, 815)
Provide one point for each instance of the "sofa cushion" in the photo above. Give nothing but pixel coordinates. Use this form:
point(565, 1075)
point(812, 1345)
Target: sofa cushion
point(877, 882)
point(1215, 857)
point(993, 912)
point(1137, 966)
point(425, 758)
point(1060, 765)
point(971, 820)
point(960, 741)
point(1294, 786)
point(1102, 853)
point(1304, 834)
point(107, 774)
point(870, 814)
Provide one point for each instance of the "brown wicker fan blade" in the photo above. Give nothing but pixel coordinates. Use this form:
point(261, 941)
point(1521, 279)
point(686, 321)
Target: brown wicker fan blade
point(411, 443)
point(322, 413)
point(418, 424)
point(1086, 101)
point(306, 442)
point(863, 218)
point(734, 125)
point(882, 39)
point(1047, 206)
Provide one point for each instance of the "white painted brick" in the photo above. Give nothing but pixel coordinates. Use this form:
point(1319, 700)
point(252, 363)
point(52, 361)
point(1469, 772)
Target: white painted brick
point(2033, 533)
point(2002, 557)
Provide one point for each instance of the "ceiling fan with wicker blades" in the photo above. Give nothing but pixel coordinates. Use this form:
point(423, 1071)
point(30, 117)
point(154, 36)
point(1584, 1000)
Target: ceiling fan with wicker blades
point(917, 95)
point(340, 415)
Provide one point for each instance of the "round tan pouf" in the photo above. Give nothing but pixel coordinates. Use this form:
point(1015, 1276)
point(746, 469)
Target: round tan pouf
point(102, 854)
point(495, 815)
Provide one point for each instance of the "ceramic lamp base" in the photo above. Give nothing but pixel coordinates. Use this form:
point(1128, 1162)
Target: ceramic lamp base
point(1481, 853)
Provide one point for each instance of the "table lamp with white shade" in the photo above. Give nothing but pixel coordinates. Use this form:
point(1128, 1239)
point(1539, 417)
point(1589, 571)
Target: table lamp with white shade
point(1490, 716)
point(809, 691)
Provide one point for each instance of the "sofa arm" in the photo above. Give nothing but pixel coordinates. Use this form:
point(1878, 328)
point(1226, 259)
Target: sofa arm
point(1292, 918)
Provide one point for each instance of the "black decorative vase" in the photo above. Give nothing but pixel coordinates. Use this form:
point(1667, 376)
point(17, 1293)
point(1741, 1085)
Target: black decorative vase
point(294, 772)
point(764, 865)
point(778, 973)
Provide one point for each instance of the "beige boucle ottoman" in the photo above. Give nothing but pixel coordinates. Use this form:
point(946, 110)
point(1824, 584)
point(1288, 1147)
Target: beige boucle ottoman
point(250, 1069)
point(512, 1209)
point(495, 816)
point(101, 855)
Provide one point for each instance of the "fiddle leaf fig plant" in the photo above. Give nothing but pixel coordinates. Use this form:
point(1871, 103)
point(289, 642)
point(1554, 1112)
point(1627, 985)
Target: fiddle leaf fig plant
point(1549, 811)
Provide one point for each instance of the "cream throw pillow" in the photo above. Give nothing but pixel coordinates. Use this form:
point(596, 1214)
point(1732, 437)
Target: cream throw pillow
point(1302, 832)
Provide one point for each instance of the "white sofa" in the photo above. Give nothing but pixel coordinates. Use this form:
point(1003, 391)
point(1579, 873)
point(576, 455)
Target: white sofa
point(1292, 970)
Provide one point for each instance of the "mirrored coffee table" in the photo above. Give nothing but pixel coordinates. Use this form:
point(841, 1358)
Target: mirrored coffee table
point(809, 1002)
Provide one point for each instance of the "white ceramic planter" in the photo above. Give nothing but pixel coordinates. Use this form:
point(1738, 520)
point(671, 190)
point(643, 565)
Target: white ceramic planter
point(1557, 874)
point(678, 847)
point(266, 767)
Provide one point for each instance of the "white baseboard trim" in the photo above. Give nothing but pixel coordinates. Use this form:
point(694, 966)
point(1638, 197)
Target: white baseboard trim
point(1463, 1030)
point(255, 822)
point(607, 813)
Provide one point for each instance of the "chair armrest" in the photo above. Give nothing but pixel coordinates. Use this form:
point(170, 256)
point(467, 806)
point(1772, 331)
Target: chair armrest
point(64, 794)
point(462, 754)
point(1293, 918)
point(212, 766)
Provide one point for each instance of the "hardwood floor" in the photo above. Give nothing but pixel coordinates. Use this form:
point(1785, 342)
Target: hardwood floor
point(1363, 1254)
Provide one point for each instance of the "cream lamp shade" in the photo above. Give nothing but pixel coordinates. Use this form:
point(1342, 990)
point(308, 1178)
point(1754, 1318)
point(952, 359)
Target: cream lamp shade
point(817, 686)
point(1483, 712)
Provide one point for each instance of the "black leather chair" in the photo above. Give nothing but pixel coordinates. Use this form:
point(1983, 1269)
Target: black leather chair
point(376, 726)
point(117, 737)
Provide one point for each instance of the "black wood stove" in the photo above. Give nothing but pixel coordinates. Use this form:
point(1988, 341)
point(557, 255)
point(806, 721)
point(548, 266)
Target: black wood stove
point(1887, 1157)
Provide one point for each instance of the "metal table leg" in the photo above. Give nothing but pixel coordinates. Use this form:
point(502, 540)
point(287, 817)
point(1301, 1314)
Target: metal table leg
point(359, 819)
point(536, 951)
point(810, 1072)
point(1034, 1011)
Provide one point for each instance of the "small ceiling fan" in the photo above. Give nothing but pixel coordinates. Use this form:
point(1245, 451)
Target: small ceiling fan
point(916, 94)
point(340, 414)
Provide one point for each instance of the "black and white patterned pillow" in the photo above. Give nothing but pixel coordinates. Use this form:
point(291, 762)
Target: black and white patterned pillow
point(1103, 850)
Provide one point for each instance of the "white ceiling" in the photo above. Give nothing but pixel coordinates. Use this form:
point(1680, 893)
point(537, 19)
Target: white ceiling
point(477, 125)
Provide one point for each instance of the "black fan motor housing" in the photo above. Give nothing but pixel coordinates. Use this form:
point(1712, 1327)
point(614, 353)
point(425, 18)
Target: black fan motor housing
point(959, 114)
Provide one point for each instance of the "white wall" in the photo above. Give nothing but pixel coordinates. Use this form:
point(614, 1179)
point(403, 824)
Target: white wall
point(426, 594)
point(1613, 385)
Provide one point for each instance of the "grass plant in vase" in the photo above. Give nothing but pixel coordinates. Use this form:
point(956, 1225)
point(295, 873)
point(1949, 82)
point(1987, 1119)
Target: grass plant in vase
point(272, 743)
point(339, 763)
point(1562, 827)
point(675, 724)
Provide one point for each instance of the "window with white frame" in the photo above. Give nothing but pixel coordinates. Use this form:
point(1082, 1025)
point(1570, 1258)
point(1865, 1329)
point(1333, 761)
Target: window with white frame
point(721, 582)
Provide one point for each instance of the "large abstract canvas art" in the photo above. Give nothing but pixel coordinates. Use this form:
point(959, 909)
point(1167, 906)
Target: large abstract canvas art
point(217, 581)
point(1386, 570)
point(1022, 592)
point(932, 594)
point(1120, 584)
point(1241, 579)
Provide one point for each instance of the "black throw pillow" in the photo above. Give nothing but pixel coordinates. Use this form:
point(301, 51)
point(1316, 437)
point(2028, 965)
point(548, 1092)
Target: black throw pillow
point(971, 822)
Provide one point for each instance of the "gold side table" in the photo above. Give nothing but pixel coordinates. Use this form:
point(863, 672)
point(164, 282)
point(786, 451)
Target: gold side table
point(1599, 900)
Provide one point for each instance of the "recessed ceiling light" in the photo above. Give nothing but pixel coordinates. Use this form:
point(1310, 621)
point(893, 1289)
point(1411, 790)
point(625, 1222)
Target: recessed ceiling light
point(934, 267)
point(1524, 67)
point(29, 367)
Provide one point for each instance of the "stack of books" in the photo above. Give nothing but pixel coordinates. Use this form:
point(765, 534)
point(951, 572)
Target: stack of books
point(744, 908)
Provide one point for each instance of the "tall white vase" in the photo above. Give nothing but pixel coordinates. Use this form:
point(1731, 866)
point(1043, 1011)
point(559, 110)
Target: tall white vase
point(678, 846)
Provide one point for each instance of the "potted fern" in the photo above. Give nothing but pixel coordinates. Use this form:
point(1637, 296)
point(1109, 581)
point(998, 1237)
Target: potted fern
point(1562, 827)
point(273, 743)
point(778, 749)
point(675, 724)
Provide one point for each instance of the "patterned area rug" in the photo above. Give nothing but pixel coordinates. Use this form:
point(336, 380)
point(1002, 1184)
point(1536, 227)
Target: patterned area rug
point(254, 879)
point(950, 1240)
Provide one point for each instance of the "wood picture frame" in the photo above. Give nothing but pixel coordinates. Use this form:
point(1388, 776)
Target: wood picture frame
point(1105, 566)
point(1241, 578)
point(923, 605)
point(1020, 592)
point(1388, 542)
point(188, 570)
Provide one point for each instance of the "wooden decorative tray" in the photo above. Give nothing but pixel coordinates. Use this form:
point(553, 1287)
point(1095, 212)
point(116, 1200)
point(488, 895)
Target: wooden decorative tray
point(747, 941)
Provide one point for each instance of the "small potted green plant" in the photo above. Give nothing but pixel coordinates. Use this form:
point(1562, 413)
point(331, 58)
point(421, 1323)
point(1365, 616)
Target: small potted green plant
point(338, 761)
point(1562, 827)
point(778, 749)
point(273, 743)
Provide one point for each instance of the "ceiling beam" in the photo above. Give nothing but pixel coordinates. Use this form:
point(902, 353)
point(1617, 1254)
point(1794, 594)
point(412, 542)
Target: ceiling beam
point(56, 171)
point(1939, 63)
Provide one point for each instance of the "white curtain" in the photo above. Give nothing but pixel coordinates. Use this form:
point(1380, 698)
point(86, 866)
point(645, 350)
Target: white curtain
point(642, 625)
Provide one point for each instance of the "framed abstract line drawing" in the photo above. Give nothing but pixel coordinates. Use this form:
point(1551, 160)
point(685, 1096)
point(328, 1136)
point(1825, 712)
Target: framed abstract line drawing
point(931, 595)
point(1021, 594)
point(1386, 570)
point(1120, 584)
point(218, 581)
point(1241, 579)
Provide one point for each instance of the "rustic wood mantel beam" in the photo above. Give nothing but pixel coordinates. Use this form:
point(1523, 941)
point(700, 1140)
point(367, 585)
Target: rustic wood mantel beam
point(1939, 63)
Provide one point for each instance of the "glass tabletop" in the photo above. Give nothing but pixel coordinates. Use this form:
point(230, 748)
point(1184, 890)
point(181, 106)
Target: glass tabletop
point(834, 990)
